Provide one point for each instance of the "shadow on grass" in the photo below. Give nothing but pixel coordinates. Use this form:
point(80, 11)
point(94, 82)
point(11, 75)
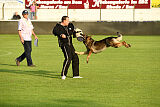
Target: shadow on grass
point(42, 73)
point(60, 103)
point(10, 64)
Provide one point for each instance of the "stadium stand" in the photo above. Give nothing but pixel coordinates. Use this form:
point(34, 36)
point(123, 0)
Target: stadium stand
point(153, 14)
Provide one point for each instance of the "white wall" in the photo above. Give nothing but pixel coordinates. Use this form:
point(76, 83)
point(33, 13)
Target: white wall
point(74, 14)
point(51, 14)
point(147, 14)
point(117, 14)
point(84, 14)
point(106, 14)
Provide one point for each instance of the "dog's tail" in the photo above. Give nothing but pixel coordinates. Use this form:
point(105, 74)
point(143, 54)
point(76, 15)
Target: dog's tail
point(119, 38)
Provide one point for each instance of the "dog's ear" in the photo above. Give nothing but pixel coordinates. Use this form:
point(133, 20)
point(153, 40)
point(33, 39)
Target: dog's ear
point(83, 35)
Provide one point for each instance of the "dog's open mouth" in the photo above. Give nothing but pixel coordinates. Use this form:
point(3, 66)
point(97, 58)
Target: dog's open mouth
point(80, 39)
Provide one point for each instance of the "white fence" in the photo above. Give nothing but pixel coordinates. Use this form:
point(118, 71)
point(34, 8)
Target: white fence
point(83, 14)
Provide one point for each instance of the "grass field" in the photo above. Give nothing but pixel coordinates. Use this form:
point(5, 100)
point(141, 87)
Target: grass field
point(117, 77)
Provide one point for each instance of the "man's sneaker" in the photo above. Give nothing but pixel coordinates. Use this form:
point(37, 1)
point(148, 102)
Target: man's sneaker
point(32, 66)
point(17, 62)
point(77, 77)
point(63, 77)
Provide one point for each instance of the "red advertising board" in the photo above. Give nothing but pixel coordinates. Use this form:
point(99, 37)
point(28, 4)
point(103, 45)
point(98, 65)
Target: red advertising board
point(91, 4)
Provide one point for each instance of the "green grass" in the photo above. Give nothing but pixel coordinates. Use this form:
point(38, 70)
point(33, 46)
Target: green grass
point(117, 77)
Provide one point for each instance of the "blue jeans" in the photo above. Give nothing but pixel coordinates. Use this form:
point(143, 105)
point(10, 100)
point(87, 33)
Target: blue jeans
point(27, 53)
point(32, 15)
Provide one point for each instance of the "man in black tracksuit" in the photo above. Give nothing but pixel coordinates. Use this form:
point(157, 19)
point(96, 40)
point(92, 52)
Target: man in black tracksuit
point(63, 31)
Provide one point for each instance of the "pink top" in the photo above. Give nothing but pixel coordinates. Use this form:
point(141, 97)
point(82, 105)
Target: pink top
point(33, 8)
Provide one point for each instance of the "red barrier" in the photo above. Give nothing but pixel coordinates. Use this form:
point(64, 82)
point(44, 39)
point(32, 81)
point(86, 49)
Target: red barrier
point(91, 4)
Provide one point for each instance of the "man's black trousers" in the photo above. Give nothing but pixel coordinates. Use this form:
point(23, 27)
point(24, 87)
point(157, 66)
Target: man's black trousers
point(27, 53)
point(70, 55)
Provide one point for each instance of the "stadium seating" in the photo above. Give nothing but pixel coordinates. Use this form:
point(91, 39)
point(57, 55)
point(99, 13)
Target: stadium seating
point(153, 14)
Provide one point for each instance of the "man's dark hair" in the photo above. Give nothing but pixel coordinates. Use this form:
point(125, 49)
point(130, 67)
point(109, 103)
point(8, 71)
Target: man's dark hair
point(64, 18)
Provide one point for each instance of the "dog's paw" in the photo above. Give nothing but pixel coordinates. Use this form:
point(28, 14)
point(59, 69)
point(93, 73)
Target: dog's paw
point(87, 61)
point(129, 45)
point(78, 53)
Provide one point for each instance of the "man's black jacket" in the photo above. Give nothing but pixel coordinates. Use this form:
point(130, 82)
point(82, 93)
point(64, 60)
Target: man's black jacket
point(58, 30)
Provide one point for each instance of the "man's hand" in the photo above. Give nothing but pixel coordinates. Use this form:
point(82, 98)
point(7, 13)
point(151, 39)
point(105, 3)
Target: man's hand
point(35, 37)
point(63, 36)
point(22, 41)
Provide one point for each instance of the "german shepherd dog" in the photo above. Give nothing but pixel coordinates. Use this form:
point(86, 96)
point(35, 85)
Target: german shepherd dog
point(98, 46)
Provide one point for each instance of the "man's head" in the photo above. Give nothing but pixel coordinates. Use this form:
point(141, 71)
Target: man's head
point(25, 14)
point(65, 20)
point(16, 13)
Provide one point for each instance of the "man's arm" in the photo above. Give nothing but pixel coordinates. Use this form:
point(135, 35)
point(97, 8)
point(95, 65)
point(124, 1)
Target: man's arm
point(72, 32)
point(19, 31)
point(57, 31)
point(20, 36)
point(34, 34)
